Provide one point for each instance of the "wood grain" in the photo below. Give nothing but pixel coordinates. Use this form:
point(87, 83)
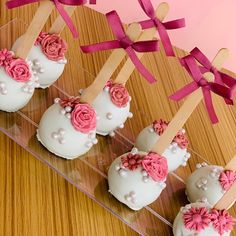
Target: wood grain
point(45, 208)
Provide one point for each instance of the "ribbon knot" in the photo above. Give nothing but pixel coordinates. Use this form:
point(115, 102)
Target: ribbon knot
point(161, 27)
point(203, 83)
point(225, 90)
point(59, 5)
point(123, 41)
point(126, 42)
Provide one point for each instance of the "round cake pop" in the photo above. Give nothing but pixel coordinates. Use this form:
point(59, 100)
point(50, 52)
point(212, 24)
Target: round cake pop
point(47, 56)
point(137, 178)
point(17, 82)
point(113, 108)
point(201, 220)
point(68, 128)
point(209, 183)
point(176, 154)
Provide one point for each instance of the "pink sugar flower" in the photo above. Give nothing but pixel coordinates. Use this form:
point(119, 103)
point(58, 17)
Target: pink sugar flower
point(70, 102)
point(119, 95)
point(156, 166)
point(222, 221)
point(6, 57)
point(227, 179)
point(197, 219)
point(83, 118)
point(131, 162)
point(181, 140)
point(159, 126)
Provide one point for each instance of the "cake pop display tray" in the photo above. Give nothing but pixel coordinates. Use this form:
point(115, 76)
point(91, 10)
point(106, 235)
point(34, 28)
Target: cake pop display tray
point(89, 172)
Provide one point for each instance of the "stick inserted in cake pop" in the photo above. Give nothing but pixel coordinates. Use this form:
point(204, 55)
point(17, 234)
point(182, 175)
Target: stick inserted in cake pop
point(48, 54)
point(114, 114)
point(109, 67)
point(42, 14)
point(187, 108)
point(126, 71)
point(70, 127)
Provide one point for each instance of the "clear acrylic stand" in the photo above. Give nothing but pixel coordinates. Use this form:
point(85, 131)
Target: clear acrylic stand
point(89, 173)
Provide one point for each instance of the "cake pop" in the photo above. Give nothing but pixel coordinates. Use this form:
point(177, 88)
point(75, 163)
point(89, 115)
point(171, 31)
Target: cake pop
point(176, 154)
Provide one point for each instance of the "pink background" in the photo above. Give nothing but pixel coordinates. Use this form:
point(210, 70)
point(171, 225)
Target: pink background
point(210, 24)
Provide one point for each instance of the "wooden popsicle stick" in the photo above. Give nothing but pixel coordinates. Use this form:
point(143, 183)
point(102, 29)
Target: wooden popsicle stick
point(90, 93)
point(128, 68)
point(59, 24)
point(186, 109)
point(232, 164)
point(228, 199)
point(42, 14)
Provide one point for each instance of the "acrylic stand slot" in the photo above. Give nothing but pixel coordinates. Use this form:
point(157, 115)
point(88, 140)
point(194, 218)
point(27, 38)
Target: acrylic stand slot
point(89, 173)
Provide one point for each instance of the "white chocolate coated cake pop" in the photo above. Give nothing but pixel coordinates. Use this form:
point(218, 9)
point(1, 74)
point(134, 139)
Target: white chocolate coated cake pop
point(47, 56)
point(199, 219)
point(137, 178)
point(68, 128)
point(17, 82)
point(176, 154)
point(113, 108)
point(209, 183)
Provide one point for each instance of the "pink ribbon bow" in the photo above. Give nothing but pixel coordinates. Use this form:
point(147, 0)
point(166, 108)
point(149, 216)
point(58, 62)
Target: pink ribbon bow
point(206, 66)
point(123, 41)
point(161, 27)
point(224, 90)
point(58, 3)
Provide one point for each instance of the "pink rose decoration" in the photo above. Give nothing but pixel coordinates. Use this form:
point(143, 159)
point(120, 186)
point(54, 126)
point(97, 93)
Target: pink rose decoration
point(227, 179)
point(41, 36)
point(83, 118)
point(156, 166)
point(119, 95)
point(197, 219)
point(109, 83)
point(131, 162)
point(222, 221)
point(70, 102)
point(54, 47)
point(181, 140)
point(6, 57)
point(159, 126)
point(19, 70)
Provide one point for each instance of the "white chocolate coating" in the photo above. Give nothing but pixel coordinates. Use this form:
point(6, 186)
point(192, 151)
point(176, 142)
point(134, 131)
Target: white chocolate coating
point(179, 227)
point(58, 135)
point(48, 71)
point(133, 188)
point(15, 95)
point(110, 116)
point(175, 156)
point(203, 184)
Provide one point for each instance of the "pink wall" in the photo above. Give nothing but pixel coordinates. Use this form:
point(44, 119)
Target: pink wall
point(211, 24)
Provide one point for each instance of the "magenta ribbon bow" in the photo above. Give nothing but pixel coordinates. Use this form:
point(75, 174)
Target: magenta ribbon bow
point(123, 41)
point(224, 90)
point(162, 27)
point(58, 3)
point(206, 66)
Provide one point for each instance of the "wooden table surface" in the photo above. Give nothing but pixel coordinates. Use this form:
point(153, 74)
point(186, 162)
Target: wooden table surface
point(36, 201)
